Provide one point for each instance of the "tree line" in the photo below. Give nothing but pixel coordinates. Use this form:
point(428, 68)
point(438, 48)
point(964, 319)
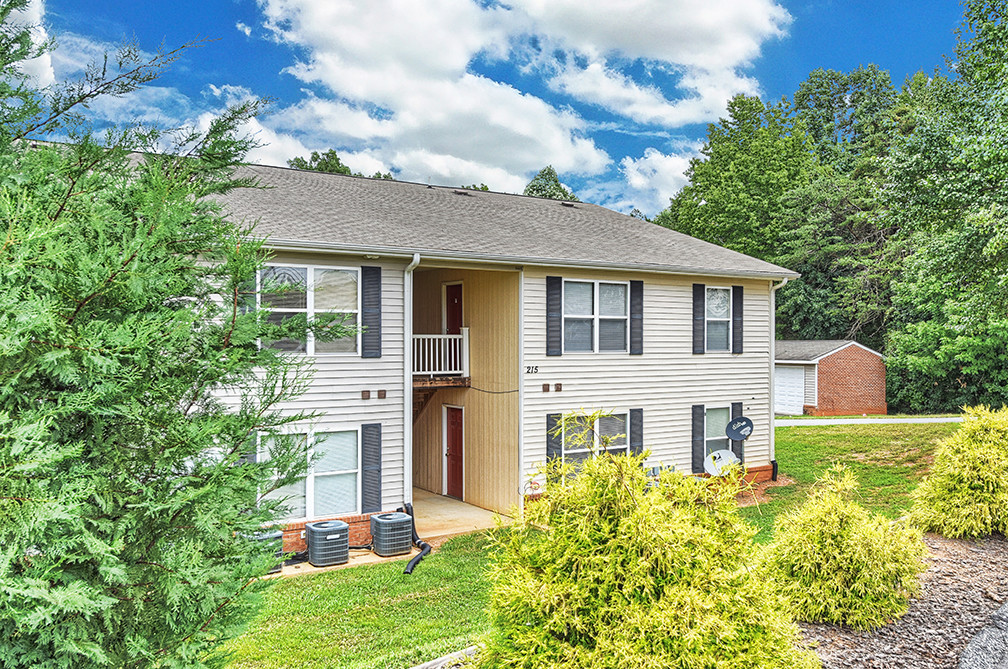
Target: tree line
point(890, 202)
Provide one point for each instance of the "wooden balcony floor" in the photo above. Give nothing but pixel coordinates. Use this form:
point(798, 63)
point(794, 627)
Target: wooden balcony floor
point(421, 381)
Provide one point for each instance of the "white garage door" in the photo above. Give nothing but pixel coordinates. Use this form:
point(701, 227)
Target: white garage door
point(789, 389)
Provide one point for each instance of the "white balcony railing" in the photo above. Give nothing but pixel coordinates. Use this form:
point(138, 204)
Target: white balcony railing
point(441, 355)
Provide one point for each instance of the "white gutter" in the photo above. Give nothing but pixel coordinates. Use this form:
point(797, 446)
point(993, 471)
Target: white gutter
point(408, 379)
point(773, 359)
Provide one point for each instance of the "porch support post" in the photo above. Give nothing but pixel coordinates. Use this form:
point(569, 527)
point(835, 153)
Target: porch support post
point(465, 351)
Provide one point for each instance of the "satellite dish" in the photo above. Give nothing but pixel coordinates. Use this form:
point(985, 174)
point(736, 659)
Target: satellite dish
point(739, 429)
point(715, 463)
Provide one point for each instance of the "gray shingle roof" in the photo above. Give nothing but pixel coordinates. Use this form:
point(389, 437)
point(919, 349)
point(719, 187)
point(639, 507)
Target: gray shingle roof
point(303, 209)
point(807, 349)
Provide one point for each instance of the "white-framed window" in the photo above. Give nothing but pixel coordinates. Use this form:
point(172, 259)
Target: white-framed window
point(718, 319)
point(595, 316)
point(715, 421)
point(614, 426)
point(333, 484)
point(311, 290)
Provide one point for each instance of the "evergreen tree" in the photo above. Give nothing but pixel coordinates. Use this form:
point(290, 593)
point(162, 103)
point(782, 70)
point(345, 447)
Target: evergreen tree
point(133, 391)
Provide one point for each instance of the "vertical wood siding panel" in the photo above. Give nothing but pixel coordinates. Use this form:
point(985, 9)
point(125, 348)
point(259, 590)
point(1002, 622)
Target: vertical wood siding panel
point(490, 309)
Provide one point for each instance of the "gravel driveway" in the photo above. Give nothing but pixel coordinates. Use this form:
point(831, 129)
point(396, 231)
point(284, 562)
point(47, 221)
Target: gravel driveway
point(965, 584)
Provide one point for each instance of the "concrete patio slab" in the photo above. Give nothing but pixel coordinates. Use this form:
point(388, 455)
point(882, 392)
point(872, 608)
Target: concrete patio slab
point(437, 518)
point(440, 516)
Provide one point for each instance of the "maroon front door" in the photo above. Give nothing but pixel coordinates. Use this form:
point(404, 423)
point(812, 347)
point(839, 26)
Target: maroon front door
point(453, 308)
point(453, 444)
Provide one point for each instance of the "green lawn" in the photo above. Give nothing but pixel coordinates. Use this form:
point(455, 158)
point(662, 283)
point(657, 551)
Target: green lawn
point(888, 459)
point(374, 616)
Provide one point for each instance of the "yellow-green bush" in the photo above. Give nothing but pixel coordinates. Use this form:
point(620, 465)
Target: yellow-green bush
point(609, 569)
point(966, 494)
point(838, 563)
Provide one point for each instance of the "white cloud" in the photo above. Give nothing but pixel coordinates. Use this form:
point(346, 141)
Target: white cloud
point(399, 73)
point(41, 68)
point(619, 94)
point(409, 87)
point(705, 34)
point(654, 177)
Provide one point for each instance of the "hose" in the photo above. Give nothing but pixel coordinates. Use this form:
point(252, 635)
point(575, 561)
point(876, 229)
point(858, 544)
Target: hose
point(418, 542)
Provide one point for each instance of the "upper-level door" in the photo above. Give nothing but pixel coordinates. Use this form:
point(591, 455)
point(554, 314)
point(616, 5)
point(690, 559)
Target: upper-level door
point(453, 308)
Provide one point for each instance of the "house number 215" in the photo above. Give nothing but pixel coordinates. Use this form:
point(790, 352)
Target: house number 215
point(531, 369)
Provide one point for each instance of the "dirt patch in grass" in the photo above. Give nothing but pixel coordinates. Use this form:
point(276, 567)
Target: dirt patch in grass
point(758, 493)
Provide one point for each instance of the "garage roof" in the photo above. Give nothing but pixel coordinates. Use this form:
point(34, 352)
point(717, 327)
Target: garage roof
point(811, 350)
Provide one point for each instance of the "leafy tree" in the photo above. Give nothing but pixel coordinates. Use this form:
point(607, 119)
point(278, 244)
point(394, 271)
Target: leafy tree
point(836, 240)
point(846, 115)
point(734, 197)
point(482, 187)
point(947, 192)
point(329, 162)
point(547, 184)
point(132, 388)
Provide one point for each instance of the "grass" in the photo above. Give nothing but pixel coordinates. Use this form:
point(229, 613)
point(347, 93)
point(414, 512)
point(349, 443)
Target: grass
point(888, 459)
point(372, 616)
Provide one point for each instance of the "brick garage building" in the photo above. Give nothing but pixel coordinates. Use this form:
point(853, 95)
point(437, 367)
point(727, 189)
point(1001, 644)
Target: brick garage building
point(832, 377)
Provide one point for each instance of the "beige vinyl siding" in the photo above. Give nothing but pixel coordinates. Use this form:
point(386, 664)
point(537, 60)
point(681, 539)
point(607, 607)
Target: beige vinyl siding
point(811, 389)
point(490, 309)
point(665, 381)
point(335, 391)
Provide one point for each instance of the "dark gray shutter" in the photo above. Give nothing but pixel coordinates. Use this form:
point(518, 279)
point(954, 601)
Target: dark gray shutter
point(636, 431)
point(371, 312)
point(371, 457)
point(636, 318)
point(736, 319)
point(699, 444)
point(737, 447)
point(699, 316)
point(554, 441)
point(554, 315)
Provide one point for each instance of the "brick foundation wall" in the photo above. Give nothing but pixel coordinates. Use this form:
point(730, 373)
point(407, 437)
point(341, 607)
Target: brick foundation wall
point(759, 474)
point(851, 381)
point(360, 532)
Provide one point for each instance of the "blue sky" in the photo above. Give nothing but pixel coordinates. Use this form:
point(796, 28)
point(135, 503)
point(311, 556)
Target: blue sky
point(615, 95)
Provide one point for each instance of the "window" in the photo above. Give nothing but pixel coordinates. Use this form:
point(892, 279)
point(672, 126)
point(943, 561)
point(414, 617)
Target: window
point(309, 290)
point(718, 319)
point(581, 439)
point(332, 487)
point(595, 316)
point(715, 439)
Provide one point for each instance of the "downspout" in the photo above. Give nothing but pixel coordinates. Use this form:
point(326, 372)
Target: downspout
point(408, 380)
point(773, 358)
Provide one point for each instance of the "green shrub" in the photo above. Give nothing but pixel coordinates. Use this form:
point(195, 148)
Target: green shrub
point(966, 494)
point(838, 563)
point(610, 569)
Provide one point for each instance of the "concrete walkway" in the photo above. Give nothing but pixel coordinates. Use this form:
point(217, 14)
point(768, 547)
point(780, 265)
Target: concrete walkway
point(799, 422)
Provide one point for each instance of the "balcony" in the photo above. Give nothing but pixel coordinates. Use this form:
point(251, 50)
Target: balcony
point(440, 356)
